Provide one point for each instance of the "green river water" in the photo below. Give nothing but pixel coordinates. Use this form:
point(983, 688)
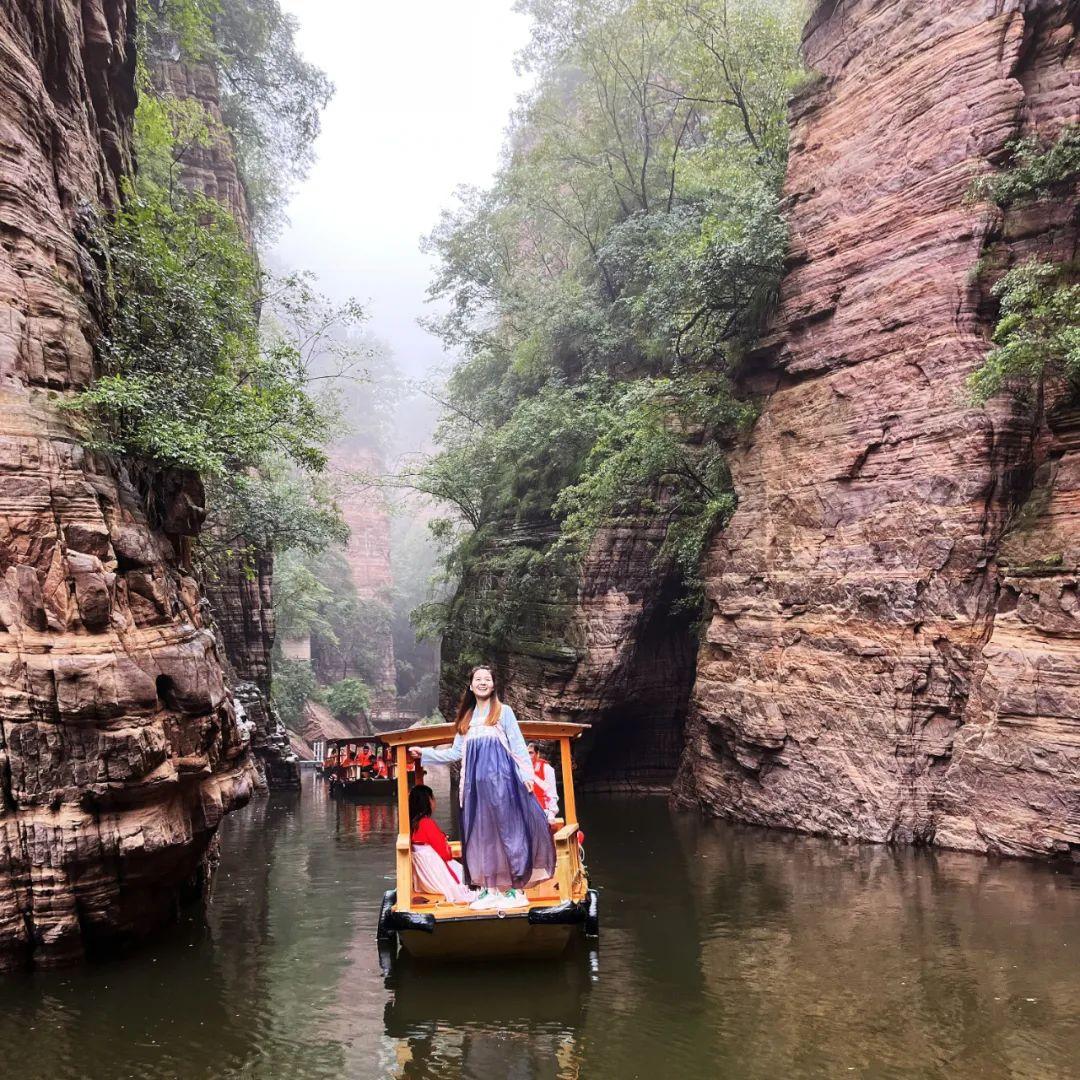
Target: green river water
point(725, 952)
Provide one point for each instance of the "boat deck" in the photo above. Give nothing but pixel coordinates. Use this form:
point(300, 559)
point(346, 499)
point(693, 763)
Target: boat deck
point(436, 904)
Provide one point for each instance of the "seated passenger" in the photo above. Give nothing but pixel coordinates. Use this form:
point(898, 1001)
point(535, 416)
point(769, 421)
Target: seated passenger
point(544, 787)
point(380, 770)
point(435, 870)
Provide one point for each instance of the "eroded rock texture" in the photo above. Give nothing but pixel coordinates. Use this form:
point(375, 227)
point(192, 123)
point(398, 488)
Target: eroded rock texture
point(119, 749)
point(894, 644)
point(240, 588)
point(618, 656)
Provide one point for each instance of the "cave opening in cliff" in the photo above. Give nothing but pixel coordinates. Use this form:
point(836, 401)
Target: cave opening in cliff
point(636, 744)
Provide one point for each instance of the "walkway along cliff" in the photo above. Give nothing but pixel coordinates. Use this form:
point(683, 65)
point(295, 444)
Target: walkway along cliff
point(893, 644)
point(119, 747)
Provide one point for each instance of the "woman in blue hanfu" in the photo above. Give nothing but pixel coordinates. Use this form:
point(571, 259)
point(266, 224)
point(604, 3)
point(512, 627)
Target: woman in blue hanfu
point(505, 839)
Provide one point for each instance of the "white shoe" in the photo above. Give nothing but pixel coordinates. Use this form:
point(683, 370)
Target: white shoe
point(513, 898)
point(488, 900)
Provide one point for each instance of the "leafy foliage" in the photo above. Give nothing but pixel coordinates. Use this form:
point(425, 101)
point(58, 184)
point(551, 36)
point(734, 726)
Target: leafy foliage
point(601, 291)
point(1037, 334)
point(272, 508)
point(272, 99)
point(314, 595)
point(294, 686)
point(185, 380)
point(348, 698)
point(1033, 169)
point(657, 456)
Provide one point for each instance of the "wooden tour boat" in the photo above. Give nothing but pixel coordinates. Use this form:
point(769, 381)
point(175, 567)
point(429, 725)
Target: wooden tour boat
point(428, 926)
point(352, 781)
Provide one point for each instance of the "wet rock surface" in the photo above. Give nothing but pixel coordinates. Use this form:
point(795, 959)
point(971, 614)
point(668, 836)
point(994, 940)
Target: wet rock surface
point(119, 747)
point(893, 649)
point(618, 655)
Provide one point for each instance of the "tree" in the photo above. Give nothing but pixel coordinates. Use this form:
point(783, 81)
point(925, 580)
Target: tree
point(348, 698)
point(601, 292)
point(272, 99)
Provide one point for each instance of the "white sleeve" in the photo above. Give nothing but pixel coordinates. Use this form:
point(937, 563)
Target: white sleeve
point(551, 790)
point(447, 756)
point(518, 750)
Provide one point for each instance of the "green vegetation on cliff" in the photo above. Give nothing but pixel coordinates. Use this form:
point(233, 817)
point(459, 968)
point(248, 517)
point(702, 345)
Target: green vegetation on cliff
point(600, 292)
point(1037, 335)
point(206, 363)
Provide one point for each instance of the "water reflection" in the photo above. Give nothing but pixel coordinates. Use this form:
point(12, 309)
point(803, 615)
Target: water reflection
point(488, 1020)
point(725, 952)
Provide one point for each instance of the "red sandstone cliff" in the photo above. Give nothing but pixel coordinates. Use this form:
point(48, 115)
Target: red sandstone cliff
point(893, 651)
point(240, 588)
point(119, 749)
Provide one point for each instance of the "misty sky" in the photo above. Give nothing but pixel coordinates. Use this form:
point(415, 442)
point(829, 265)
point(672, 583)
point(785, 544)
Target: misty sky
point(424, 92)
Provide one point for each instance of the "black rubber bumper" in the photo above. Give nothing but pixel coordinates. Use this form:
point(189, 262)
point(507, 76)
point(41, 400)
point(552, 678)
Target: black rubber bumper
point(385, 932)
point(567, 914)
point(411, 920)
point(592, 914)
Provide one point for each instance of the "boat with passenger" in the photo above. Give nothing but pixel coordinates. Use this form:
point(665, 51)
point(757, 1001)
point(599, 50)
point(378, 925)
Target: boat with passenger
point(364, 768)
point(433, 925)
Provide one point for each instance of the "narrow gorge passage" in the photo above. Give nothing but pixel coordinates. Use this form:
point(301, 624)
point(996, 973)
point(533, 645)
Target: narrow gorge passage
point(637, 743)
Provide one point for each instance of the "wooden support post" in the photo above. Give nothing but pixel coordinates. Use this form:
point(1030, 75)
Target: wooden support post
point(404, 847)
point(569, 803)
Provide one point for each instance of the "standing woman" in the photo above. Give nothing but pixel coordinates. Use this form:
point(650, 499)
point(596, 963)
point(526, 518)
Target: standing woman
point(506, 842)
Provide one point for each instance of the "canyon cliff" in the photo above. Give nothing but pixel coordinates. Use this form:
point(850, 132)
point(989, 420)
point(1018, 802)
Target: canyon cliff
point(618, 655)
point(368, 555)
point(119, 745)
point(238, 585)
point(892, 650)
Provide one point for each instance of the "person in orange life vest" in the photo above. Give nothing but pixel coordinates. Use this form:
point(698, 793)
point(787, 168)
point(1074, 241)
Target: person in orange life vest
point(547, 794)
point(355, 763)
point(379, 768)
point(364, 758)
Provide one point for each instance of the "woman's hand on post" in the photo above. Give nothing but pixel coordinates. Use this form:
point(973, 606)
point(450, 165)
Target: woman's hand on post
point(414, 753)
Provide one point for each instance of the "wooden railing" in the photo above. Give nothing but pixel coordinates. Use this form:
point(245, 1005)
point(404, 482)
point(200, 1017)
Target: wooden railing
point(568, 872)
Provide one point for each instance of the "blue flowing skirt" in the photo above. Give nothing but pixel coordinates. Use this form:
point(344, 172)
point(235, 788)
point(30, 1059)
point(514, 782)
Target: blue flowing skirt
point(506, 842)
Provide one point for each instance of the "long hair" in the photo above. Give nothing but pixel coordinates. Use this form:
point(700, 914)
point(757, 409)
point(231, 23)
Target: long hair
point(419, 805)
point(468, 703)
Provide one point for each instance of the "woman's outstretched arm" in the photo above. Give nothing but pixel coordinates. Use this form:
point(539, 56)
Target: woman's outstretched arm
point(448, 755)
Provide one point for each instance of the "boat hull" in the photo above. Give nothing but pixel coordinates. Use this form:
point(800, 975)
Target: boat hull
point(487, 937)
point(366, 789)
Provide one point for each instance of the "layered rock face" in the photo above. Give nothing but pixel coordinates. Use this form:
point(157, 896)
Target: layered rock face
point(893, 651)
point(619, 656)
point(119, 747)
point(240, 590)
